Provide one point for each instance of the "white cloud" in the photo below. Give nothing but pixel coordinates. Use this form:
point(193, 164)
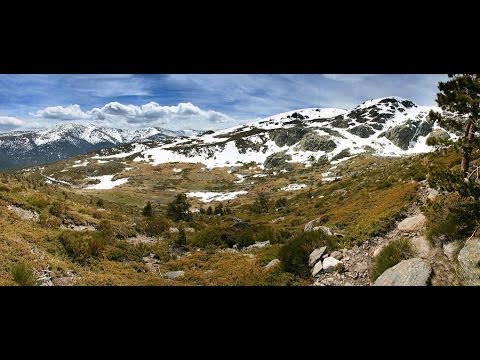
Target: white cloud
point(349, 78)
point(150, 114)
point(70, 112)
point(10, 121)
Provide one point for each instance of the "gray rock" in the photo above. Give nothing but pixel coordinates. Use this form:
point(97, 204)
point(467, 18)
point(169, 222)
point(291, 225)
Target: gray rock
point(273, 263)
point(331, 264)
point(411, 272)
point(451, 249)
point(172, 275)
point(277, 160)
point(337, 255)
point(469, 259)
point(317, 268)
point(189, 229)
point(412, 224)
point(402, 135)
point(259, 245)
point(421, 246)
point(312, 226)
point(437, 137)
point(364, 131)
point(315, 255)
point(339, 192)
point(173, 230)
point(432, 194)
point(316, 142)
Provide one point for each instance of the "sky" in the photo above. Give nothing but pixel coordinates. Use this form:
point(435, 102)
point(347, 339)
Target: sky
point(197, 101)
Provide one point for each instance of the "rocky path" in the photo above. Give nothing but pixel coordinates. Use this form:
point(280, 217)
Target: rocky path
point(356, 262)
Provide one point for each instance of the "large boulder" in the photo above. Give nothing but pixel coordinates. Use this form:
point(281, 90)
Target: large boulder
point(315, 255)
point(273, 263)
point(412, 224)
point(259, 245)
point(277, 160)
point(437, 137)
point(469, 262)
point(316, 142)
point(411, 272)
point(331, 264)
point(312, 226)
point(421, 246)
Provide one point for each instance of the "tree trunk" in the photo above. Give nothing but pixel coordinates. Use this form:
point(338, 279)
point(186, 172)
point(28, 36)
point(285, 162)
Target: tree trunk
point(466, 150)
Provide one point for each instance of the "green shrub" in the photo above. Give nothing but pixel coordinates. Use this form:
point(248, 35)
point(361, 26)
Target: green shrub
point(100, 203)
point(294, 253)
point(391, 255)
point(154, 226)
point(57, 209)
point(451, 218)
point(281, 203)
point(261, 204)
point(181, 237)
point(83, 245)
point(147, 210)
point(23, 275)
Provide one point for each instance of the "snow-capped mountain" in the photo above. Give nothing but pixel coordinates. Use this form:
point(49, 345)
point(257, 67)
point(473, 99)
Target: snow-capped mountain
point(389, 126)
point(29, 148)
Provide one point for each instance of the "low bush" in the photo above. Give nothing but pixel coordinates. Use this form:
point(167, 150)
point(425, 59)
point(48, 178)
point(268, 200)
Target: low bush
point(23, 275)
point(294, 253)
point(391, 255)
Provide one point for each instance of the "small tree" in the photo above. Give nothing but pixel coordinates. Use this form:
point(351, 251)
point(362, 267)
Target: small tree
point(209, 210)
point(181, 237)
point(261, 204)
point(100, 203)
point(179, 208)
point(147, 210)
point(461, 95)
point(219, 209)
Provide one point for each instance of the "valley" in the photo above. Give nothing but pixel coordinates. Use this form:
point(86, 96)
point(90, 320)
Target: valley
point(260, 199)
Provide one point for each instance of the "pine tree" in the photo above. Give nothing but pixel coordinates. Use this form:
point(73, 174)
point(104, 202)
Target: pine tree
point(147, 210)
point(179, 208)
point(182, 237)
point(461, 96)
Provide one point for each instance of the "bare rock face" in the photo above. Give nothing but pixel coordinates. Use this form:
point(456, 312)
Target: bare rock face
point(411, 272)
point(469, 262)
point(412, 224)
point(451, 249)
point(421, 245)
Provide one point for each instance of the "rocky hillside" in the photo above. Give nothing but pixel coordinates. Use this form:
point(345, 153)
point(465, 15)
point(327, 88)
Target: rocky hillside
point(388, 127)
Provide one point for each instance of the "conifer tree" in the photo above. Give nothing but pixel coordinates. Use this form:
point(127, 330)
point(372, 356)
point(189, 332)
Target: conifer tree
point(461, 96)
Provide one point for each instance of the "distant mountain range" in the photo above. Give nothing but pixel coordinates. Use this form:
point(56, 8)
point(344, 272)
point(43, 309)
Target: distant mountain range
point(389, 126)
point(29, 148)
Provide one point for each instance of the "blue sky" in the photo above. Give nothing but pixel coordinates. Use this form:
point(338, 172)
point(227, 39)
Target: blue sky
point(190, 101)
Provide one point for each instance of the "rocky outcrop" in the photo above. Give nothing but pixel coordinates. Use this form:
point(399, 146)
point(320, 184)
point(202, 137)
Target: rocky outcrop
point(402, 135)
point(421, 246)
point(315, 142)
point(469, 262)
point(277, 160)
point(412, 224)
point(273, 263)
point(411, 272)
point(313, 226)
point(259, 245)
point(172, 275)
point(288, 137)
point(364, 131)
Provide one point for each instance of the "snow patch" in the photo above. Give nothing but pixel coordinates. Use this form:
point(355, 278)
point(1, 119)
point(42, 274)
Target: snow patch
point(293, 187)
point(106, 182)
point(208, 196)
